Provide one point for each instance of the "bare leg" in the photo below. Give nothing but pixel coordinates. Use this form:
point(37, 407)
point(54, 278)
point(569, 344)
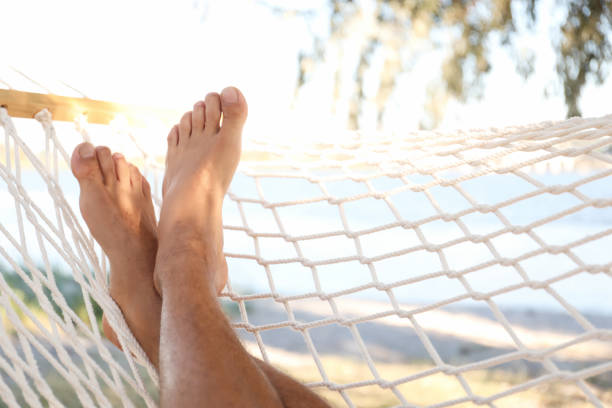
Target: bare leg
point(201, 357)
point(133, 264)
point(116, 204)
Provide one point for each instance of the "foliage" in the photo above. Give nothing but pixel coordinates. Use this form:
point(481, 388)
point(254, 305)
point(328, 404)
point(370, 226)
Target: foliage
point(469, 29)
point(72, 293)
point(67, 286)
point(584, 49)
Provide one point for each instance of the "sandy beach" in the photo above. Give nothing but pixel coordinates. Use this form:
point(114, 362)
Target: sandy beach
point(404, 360)
point(458, 336)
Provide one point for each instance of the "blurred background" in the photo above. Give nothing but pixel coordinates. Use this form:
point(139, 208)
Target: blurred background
point(396, 65)
point(314, 69)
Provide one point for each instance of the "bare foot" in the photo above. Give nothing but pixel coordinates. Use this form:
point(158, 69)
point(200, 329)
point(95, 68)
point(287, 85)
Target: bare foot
point(116, 204)
point(202, 157)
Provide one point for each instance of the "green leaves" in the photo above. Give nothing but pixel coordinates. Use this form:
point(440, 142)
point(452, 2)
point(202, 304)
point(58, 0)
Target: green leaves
point(466, 31)
point(584, 48)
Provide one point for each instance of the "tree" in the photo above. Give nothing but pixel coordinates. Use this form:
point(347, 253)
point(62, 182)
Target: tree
point(469, 28)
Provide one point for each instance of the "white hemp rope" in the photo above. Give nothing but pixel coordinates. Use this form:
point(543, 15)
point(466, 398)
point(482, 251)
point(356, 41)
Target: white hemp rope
point(72, 346)
point(89, 287)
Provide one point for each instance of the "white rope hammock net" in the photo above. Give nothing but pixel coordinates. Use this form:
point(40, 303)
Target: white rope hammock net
point(336, 241)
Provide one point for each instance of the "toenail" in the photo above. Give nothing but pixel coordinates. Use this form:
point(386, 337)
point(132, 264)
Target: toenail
point(229, 95)
point(86, 151)
point(118, 156)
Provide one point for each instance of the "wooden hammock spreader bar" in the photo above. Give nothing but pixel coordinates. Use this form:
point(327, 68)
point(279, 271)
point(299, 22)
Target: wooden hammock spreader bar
point(64, 108)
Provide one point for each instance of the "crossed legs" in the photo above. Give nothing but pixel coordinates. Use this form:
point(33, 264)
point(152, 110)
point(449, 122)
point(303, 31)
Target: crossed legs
point(166, 277)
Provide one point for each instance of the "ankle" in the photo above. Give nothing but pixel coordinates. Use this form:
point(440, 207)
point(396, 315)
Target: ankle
point(194, 277)
point(189, 221)
point(187, 258)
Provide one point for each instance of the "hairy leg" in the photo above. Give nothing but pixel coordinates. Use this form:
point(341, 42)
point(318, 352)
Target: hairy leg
point(201, 359)
point(115, 201)
point(132, 265)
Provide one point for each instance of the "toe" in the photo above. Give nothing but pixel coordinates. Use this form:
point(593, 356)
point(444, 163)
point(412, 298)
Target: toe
point(173, 139)
point(146, 188)
point(146, 193)
point(234, 108)
point(84, 164)
point(122, 169)
point(185, 128)
point(107, 164)
point(135, 176)
point(198, 117)
point(213, 113)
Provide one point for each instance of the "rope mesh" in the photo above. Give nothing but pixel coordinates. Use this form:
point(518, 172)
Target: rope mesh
point(407, 256)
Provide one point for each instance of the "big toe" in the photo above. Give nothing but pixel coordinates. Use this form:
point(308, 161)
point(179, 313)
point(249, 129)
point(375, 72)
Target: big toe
point(84, 163)
point(234, 108)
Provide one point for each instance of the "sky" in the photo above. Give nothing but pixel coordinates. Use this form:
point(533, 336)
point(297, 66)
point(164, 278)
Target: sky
point(171, 53)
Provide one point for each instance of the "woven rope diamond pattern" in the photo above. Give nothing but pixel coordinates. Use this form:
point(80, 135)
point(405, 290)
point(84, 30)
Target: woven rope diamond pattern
point(404, 260)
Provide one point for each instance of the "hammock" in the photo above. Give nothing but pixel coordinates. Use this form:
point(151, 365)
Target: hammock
point(332, 245)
